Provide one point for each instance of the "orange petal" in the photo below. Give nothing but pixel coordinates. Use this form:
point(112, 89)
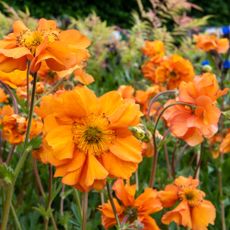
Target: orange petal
point(127, 149)
point(203, 215)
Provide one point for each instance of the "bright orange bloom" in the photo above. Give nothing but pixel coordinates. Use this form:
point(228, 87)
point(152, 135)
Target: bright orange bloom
point(193, 211)
point(211, 42)
point(192, 124)
point(143, 98)
point(154, 49)
point(131, 210)
point(173, 70)
point(83, 134)
point(14, 79)
point(225, 145)
point(126, 91)
point(3, 96)
point(61, 50)
point(14, 126)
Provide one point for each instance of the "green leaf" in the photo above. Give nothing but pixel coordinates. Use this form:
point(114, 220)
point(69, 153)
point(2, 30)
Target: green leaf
point(6, 175)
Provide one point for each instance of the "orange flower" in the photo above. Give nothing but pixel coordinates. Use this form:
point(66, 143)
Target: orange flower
point(131, 210)
point(211, 42)
point(61, 50)
point(3, 96)
point(14, 79)
point(225, 145)
point(126, 91)
point(154, 49)
point(143, 98)
point(189, 124)
point(83, 134)
point(172, 71)
point(14, 126)
point(192, 211)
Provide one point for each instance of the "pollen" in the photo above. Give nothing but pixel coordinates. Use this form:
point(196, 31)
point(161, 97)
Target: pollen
point(32, 39)
point(92, 135)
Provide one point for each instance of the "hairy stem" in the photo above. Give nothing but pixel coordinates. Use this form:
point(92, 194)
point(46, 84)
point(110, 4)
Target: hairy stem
point(84, 209)
point(155, 157)
point(112, 204)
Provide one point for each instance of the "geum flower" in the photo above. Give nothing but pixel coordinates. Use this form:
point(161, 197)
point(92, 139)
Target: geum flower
point(193, 124)
point(61, 50)
point(173, 70)
point(154, 49)
point(87, 138)
point(131, 210)
point(210, 42)
point(14, 126)
point(192, 210)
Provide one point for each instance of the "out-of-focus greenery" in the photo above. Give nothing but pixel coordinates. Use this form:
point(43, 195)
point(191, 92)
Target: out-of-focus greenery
point(114, 12)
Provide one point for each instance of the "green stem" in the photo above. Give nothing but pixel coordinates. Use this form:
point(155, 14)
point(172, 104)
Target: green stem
point(77, 200)
point(28, 84)
point(17, 223)
point(112, 204)
point(155, 157)
point(21, 161)
point(84, 209)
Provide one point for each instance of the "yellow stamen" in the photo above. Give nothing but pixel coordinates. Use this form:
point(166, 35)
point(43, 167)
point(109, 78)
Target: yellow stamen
point(92, 135)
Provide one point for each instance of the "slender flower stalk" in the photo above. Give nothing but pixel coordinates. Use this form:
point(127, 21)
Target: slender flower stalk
point(84, 209)
point(28, 84)
point(198, 161)
point(112, 204)
point(21, 162)
point(155, 98)
point(155, 157)
point(17, 223)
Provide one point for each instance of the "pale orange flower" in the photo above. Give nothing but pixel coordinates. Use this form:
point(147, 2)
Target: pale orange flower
point(173, 70)
point(3, 96)
point(14, 126)
point(61, 50)
point(83, 134)
point(192, 124)
point(14, 79)
point(211, 42)
point(225, 144)
point(192, 211)
point(126, 91)
point(143, 98)
point(154, 49)
point(130, 209)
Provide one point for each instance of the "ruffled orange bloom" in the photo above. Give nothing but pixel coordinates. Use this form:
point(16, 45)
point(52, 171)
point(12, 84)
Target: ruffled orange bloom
point(131, 210)
point(61, 50)
point(126, 91)
point(14, 79)
point(173, 70)
point(211, 42)
point(143, 98)
point(3, 96)
point(193, 211)
point(154, 49)
point(149, 68)
point(192, 124)
point(225, 144)
point(14, 126)
point(83, 134)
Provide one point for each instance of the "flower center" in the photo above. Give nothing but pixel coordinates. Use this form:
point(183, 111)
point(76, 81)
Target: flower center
point(131, 214)
point(193, 196)
point(32, 39)
point(92, 135)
